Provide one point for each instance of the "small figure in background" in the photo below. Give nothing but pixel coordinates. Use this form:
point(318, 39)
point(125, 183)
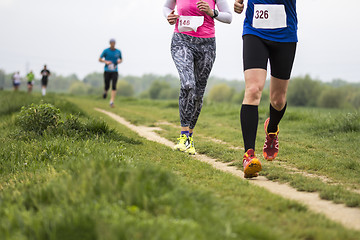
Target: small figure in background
point(16, 81)
point(111, 57)
point(30, 81)
point(45, 73)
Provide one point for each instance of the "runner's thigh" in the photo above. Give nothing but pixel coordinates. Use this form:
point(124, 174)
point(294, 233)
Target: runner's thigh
point(255, 52)
point(282, 57)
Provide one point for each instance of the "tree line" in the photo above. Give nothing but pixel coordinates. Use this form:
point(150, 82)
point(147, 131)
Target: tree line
point(303, 90)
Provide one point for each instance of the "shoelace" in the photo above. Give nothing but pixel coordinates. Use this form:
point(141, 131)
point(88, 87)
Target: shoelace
point(185, 141)
point(272, 141)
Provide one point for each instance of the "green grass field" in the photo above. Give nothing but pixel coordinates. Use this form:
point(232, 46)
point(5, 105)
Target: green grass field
point(90, 178)
point(315, 141)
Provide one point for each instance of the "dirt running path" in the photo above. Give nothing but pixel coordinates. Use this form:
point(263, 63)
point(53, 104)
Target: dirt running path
point(348, 217)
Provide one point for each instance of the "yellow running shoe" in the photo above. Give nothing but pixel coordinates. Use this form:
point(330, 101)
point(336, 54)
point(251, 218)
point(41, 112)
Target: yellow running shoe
point(191, 149)
point(252, 165)
point(183, 143)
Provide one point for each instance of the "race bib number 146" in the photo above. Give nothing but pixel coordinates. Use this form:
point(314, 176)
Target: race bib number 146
point(190, 23)
point(269, 16)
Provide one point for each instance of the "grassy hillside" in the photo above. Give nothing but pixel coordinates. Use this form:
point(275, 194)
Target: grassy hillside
point(312, 141)
point(87, 177)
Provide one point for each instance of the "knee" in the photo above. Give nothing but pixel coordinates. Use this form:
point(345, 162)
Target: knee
point(253, 94)
point(278, 103)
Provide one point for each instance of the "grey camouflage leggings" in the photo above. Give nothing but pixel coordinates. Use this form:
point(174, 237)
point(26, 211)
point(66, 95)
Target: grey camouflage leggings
point(194, 58)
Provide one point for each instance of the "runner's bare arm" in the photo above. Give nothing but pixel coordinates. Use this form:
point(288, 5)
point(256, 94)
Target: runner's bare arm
point(102, 60)
point(172, 18)
point(239, 6)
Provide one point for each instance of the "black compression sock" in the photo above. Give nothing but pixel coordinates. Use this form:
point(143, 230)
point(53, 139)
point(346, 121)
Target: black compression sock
point(249, 118)
point(275, 118)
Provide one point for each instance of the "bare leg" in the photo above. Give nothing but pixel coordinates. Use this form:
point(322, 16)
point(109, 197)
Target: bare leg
point(113, 95)
point(185, 129)
point(278, 89)
point(254, 85)
point(249, 116)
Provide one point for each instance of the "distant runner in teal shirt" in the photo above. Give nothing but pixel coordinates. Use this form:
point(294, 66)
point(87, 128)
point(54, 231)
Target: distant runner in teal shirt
point(111, 57)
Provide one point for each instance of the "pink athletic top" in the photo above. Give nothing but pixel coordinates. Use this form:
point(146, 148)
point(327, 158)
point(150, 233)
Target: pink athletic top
point(189, 8)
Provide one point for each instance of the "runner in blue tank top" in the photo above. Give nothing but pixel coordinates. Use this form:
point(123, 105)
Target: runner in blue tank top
point(282, 34)
point(270, 34)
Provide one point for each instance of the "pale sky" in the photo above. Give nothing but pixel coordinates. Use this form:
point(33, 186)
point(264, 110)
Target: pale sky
point(69, 36)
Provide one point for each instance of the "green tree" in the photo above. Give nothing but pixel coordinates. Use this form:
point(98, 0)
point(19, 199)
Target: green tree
point(95, 79)
point(221, 93)
point(354, 98)
point(351, 95)
point(331, 98)
point(8, 81)
point(156, 88)
point(238, 97)
point(304, 91)
point(2, 79)
point(60, 83)
point(169, 93)
point(125, 89)
point(79, 88)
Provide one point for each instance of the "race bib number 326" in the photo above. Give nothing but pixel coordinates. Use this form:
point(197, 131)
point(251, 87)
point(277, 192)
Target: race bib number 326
point(269, 16)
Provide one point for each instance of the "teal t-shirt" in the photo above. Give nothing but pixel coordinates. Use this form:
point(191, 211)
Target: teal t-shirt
point(113, 56)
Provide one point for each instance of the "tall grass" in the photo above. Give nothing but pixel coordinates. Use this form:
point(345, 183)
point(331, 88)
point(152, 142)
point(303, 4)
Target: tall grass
point(12, 102)
point(339, 123)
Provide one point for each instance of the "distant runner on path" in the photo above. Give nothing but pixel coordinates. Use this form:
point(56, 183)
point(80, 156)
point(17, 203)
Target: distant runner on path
point(270, 34)
point(30, 81)
point(45, 73)
point(193, 50)
point(111, 57)
point(16, 81)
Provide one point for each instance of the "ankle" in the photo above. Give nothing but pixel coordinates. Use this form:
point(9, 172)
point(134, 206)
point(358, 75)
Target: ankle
point(185, 132)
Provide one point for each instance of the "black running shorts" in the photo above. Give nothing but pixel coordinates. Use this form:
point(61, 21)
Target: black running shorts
point(257, 51)
point(110, 77)
point(44, 82)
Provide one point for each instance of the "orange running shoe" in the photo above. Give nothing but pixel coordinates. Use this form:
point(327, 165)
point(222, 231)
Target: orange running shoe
point(271, 145)
point(251, 164)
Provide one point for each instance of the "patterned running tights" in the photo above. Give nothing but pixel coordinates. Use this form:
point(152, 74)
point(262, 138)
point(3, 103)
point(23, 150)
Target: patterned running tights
point(194, 58)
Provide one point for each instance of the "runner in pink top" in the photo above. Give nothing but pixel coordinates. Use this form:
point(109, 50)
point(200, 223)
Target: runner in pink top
point(205, 8)
point(189, 8)
point(193, 50)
